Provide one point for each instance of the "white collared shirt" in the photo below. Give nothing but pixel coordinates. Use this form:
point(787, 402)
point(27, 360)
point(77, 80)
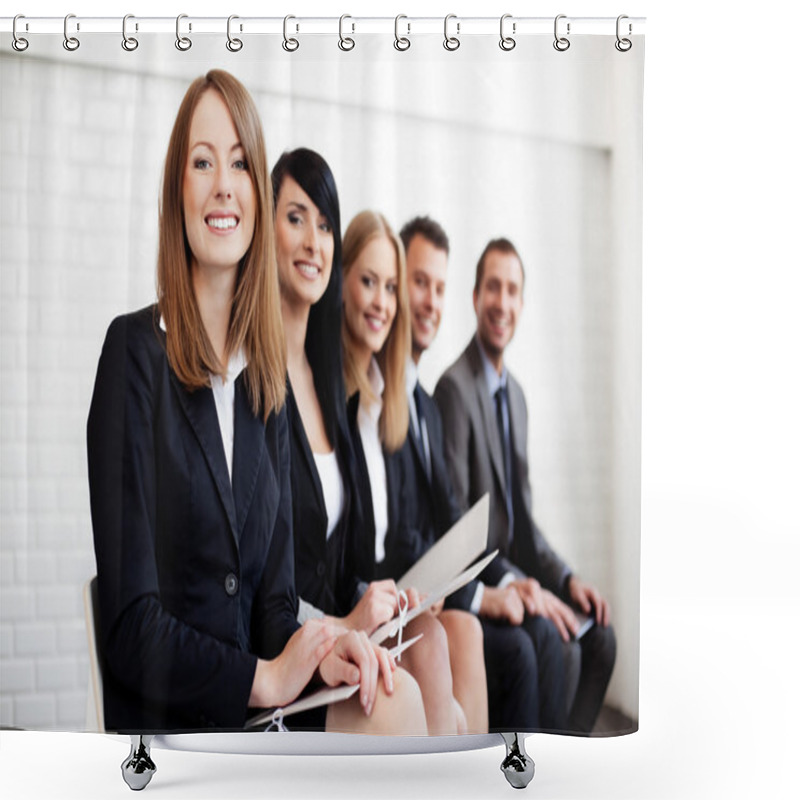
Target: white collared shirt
point(223, 390)
point(412, 376)
point(368, 417)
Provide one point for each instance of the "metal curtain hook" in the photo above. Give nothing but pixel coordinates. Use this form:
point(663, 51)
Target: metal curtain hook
point(70, 42)
point(451, 42)
point(507, 42)
point(345, 42)
point(623, 45)
point(561, 43)
point(233, 44)
point(181, 42)
point(19, 43)
point(129, 43)
point(290, 44)
point(401, 42)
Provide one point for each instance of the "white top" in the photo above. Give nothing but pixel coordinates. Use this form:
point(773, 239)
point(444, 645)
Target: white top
point(332, 488)
point(223, 389)
point(373, 454)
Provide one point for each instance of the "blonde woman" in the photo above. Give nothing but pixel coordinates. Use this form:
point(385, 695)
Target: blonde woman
point(377, 340)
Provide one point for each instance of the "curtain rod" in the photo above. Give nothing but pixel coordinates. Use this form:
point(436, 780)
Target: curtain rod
point(346, 25)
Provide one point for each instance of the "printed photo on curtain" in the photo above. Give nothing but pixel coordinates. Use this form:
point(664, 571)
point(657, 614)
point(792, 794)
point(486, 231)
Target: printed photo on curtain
point(321, 385)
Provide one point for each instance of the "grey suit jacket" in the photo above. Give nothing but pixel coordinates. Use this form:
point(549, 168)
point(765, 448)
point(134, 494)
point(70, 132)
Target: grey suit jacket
point(474, 457)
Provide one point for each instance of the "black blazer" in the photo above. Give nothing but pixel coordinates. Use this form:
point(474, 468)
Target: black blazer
point(324, 574)
point(433, 502)
point(195, 577)
point(404, 544)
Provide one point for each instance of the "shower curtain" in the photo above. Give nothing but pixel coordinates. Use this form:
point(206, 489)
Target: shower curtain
point(535, 143)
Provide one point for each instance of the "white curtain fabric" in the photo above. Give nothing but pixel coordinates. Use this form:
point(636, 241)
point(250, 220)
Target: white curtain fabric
point(539, 146)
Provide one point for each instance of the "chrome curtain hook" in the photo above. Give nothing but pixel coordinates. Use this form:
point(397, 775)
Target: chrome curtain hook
point(401, 43)
point(623, 44)
point(289, 44)
point(507, 42)
point(561, 43)
point(233, 44)
point(70, 42)
point(18, 42)
point(346, 42)
point(451, 42)
point(129, 43)
point(181, 42)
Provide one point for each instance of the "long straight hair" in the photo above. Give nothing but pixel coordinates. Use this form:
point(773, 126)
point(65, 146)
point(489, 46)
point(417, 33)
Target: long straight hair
point(323, 347)
point(393, 424)
point(256, 324)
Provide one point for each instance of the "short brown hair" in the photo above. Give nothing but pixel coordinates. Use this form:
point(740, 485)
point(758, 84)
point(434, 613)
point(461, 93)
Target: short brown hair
point(255, 324)
point(428, 229)
point(501, 245)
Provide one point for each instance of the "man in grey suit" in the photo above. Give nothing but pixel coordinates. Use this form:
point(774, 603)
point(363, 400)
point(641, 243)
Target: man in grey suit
point(485, 422)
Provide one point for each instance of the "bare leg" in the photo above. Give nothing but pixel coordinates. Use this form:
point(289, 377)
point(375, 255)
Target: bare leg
point(429, 662)
point(465, 643)
point(398, 714)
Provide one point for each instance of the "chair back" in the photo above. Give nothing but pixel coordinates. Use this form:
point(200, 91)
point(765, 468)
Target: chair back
point(95, 720)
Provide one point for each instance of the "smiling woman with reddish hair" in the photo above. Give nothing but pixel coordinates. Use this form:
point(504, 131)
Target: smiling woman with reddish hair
point(189, 462)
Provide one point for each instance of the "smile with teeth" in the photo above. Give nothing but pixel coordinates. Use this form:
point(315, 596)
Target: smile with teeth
point(500, 323)
point(306, 269)
point(426, 322)
point(374, 323)
point(222, 223)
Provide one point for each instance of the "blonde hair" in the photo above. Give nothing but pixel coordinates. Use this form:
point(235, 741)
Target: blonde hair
point(393, 424)
point(256, 324)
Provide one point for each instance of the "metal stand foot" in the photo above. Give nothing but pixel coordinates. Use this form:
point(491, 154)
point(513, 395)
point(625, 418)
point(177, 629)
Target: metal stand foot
point(138, 768)
point(517, 766)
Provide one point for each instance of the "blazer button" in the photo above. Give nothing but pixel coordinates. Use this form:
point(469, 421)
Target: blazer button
point(231, 584)
point(320, 569)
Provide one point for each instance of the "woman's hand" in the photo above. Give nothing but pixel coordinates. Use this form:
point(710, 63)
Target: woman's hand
point(378, 605)
point(355, 659)
point(279, 681)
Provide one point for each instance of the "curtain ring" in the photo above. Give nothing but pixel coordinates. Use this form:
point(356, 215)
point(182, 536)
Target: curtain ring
point(18, 42)
point(129, 43)
point(181, 42)
point(401, 43)
point(623, 45)
point(289, 44)
point(233, 44)
point(346, 43)
point(70, 42)
point(507, 42)
point(451, 42)
point(561, 43)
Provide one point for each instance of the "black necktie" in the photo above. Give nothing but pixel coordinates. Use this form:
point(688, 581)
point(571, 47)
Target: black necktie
point(420, 435)
point(501, 407)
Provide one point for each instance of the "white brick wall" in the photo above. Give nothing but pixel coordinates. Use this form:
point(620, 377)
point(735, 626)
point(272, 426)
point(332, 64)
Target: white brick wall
point(72, 202)
point(82, 142)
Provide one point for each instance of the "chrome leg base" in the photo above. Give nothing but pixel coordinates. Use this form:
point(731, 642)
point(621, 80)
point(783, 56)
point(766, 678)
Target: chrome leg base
point(138, 768)
point(517, 766)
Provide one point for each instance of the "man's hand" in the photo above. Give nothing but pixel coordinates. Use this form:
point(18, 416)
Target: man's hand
point(532, 595)
point(562, 616)
point(544, 603)
point(589, 600)
point(504, 604)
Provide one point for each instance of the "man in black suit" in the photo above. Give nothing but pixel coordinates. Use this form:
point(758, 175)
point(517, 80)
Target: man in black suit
point(525, 692)
point(486, 441)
